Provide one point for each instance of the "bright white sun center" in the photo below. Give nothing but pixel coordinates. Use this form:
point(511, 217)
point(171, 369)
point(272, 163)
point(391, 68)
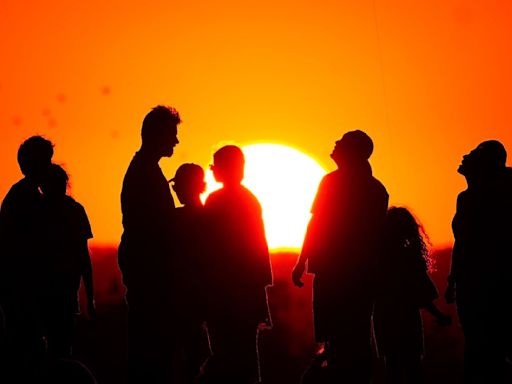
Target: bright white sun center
point(285, 181)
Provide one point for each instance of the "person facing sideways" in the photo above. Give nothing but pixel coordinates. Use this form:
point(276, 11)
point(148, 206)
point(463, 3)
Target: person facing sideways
point(20, 262)
point(147, 250)
point(238, 273)
point(404, 287)
point(480, 278)
point(189, 184)
point(67, 262)
point(342, 247)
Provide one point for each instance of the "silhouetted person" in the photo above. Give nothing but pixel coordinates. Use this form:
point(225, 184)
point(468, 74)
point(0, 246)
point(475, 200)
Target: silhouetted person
point(480, 278)
point(146, 251)
point(342, 246)
point(189, 184)
point(404, 287)
point(238, 272)
point(67, 262)
point(20, 260)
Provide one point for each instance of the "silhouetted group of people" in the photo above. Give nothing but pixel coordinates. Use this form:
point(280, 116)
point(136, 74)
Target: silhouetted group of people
point(184, 267)
point(44, 257)
point(196, 276)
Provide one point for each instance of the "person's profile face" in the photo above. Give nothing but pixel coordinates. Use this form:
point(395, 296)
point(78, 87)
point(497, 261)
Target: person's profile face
point(217, 173)
point(338, 152)
point(169, 140)
point(469, 163)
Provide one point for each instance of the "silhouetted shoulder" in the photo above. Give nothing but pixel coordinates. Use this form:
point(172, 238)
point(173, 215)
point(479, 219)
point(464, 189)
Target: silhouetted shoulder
point(235, 197)
point(20, 191)
point(78, 218)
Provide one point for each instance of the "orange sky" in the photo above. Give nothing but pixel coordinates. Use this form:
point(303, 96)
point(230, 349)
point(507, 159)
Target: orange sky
point(427, 80)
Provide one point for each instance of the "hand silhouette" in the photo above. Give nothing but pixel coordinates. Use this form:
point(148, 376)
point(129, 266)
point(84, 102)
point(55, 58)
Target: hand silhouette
point(449, 294)
point(297, 273)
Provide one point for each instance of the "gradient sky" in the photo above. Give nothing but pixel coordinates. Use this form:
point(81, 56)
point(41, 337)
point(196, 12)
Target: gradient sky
point(427, 80)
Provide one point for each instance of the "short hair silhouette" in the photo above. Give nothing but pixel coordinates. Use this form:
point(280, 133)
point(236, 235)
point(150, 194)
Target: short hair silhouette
point(358, 144)
point(190, 174)
point(230, 161)
point(492, 154)
point(157, 121)
point(34, 153)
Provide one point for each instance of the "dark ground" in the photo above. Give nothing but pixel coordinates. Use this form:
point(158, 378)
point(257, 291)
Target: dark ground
point(285, 350)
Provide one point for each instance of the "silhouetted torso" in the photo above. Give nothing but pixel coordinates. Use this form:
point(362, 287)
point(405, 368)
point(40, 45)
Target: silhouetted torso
point(21, 237)
point(482, 226)
point(146, 246)
point(67, 230)
point(341, 245)
point(348, 213)
point(481, 271)
point(239, 265)
point(404, 287)
point(190, 268)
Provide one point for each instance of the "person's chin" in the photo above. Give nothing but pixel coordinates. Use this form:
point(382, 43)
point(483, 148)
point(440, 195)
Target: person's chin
point(169, 153)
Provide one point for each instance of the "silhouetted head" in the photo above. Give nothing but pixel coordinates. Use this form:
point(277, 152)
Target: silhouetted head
point(35, 156)
point(403, 230)
point(188, 183)
point(55, 183)
point(487, 157)
point(228, 165)
point(353, 147)
point(160, 131)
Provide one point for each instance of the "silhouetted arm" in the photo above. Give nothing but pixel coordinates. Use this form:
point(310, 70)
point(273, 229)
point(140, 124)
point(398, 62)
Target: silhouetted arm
point(311, 238)
point(88, 279)
point(449, 294)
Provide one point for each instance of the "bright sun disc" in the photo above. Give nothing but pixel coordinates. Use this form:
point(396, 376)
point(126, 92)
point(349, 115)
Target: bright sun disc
point(285, 181)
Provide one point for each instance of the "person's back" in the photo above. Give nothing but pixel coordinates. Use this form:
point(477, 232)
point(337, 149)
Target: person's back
point(239, 270)
point(66, 262)
point(240, 253)
point(67, 230)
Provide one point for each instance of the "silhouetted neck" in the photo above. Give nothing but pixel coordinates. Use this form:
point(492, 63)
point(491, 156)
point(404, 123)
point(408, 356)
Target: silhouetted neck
point(357, 168)
point(148, 155)
point(489, 179)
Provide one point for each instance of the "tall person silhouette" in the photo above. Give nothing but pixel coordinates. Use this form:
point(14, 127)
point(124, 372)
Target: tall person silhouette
point(480, 278)
point(67, 262)
point(21, 237)
point(341, 247)
point(146, 251)
point(239, 270)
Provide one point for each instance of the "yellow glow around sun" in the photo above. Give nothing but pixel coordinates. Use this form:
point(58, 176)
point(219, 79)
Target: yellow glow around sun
point(285, 181)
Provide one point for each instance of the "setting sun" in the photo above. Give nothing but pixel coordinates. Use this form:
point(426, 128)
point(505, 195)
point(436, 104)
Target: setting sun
point(284, 180)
